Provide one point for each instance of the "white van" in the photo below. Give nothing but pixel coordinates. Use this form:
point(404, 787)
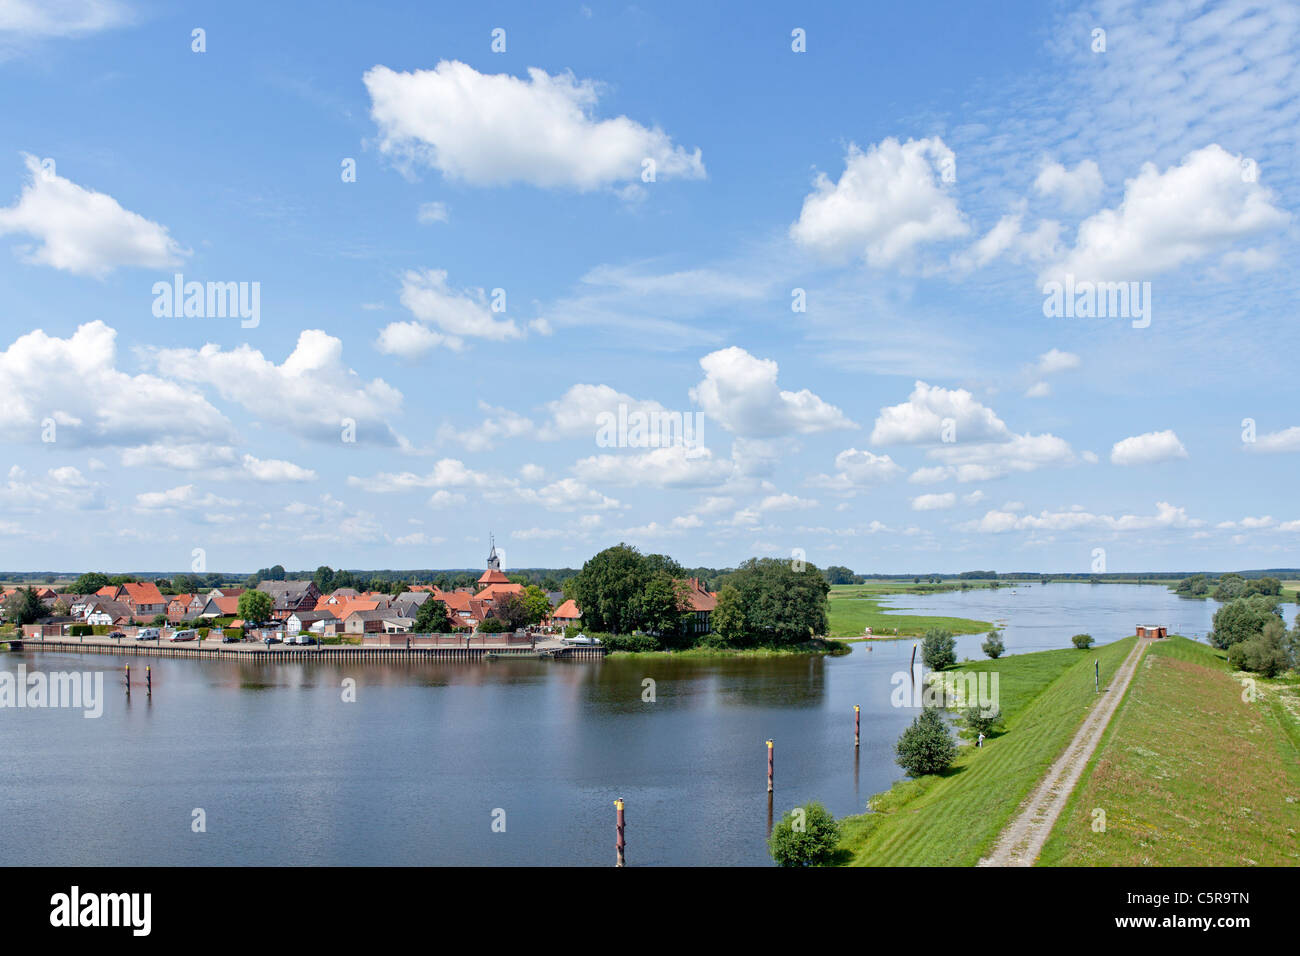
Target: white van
point(184, 636)
point(148, 634)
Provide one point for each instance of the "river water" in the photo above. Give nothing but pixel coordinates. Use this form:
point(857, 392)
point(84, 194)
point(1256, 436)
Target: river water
point(508, 762)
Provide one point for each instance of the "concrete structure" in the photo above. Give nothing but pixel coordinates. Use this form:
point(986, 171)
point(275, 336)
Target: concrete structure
point(1154, 631)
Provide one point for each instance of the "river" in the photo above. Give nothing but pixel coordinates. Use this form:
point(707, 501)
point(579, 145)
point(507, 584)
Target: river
point(430, 756)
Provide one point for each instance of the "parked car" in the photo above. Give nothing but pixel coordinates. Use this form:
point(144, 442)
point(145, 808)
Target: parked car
point(271, 639)
point(230, 639)
point(184, 636)
point(116, 634)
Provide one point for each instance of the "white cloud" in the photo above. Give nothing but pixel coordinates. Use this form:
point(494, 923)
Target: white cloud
point(672, 467)
point(59, 489)
point(576, 413)
point(457, 314)
point(182, 497)
point(998, 522)
point(1076, 189)
point(889, 201)
point(497, 424)
point(61, 18)
point(432, 212)
point(857, 469)
point(1054, 360)
point(214, 461)
point(1038, 390)
point(785, 502)
point(496, 129)
point(1166, 220)
point(82, 231)
point(74, 382)
point(446, 473)
point(567, 494)
point(934, 502)
point(1148, 449)
point(312, 392)
point(740, 392)
point(921, 418)
point(1288, 439)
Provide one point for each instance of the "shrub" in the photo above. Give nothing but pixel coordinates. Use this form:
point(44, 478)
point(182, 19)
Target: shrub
point(80, 630)
point(1242, 619)
point(806, 836)
point(203, 633)
point(938, 649)
point(1264, 654)
point(927, 745)
point(993, 647)
point(1082, 641)
point(981, 723)
point(636, 643)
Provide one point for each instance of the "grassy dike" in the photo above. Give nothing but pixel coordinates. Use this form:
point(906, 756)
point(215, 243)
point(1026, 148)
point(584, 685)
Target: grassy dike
point(953, 819)
point(1189, 773)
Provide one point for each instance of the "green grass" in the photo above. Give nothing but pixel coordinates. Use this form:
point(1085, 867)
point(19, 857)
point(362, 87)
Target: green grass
point(812, 647)
point(953, 819)
point(854, 607)
point(1189, 773)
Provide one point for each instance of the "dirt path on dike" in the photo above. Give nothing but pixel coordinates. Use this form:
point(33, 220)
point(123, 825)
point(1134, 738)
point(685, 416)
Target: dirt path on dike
point(1022, 840)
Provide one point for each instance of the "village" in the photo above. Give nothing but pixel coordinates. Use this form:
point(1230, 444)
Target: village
point(301, 614)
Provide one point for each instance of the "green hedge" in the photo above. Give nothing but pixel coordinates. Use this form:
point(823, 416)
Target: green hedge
point(629, 642)
point(80, 630)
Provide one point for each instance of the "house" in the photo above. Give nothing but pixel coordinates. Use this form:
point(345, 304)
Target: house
point(307, 620)
point(290, 596)
point(102, 611)
point(365, 622)
point(144, 599)
point(701, 602)
point(397, 624)
point(220, 607)
point(1155, 631)
point(567, 614)
point(178, 607)
point(226, 592)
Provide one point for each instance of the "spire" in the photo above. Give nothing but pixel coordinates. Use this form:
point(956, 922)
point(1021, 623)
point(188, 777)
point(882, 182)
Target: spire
point(493, 562)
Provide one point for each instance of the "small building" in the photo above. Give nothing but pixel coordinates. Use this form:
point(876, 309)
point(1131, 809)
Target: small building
point(567, 614)
point(1153, 631)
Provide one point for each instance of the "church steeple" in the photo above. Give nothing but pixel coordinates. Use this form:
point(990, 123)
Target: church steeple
point(493, 562)
point(493, 574)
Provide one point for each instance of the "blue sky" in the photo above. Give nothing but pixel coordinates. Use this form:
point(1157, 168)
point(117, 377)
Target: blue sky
point(915, 176)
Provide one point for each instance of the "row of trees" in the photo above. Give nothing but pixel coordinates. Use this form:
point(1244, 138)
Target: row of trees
point(764, 601)
point(1252, 631)
point(1228, 587)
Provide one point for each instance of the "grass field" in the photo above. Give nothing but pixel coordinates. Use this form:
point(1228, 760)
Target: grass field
point(953, 819)
point(1189, 773)
point(854, 607)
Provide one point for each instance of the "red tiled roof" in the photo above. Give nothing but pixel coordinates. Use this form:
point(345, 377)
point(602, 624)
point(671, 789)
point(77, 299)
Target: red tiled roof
point(568, 611)
point(699, 598)
point(493, 576)
point(144, 592)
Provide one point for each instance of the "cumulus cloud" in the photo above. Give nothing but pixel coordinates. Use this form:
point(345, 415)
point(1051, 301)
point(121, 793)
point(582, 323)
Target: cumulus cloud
point(937, 502)
point(1288, 439)
point(578, 412)
point(1054, 360)
point(674, 466)
point(1000, 522)
point(740, 392)
point(312, 393)
point(1148, 449)
point(1075, 189)
point(495, 129)
point(921, 418)
point(446, 473)
point(857, 469)
point(58, 489)
point(1168, 219)
point(215, 462)
point(82, 231)
point(75, 384)
point(61, 18)
point(567, 494)
point(497, 424)
point(889, 201)
point(456, 314)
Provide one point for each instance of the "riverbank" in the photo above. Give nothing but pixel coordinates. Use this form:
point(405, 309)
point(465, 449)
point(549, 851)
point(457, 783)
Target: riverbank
point(852, 608)
point(818, 647)
point(1191, 772)
point(952, 819)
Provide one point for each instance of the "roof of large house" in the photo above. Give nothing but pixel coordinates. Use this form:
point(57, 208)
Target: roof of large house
point(108, 591)
point(311, 617)
point(143, 592)
point(183, 598)
point(114, 609)
point(224, 605)
point(493, 576)
point(356, 607)
point(496, 591)
point(700, 598)
point(567, 611)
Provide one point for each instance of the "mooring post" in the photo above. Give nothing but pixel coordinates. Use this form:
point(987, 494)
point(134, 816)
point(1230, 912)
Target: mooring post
point(128, 680)
point(771, 764)
point(619, 842)
point(857, 725)
point(148, 680)
point(1096, 674)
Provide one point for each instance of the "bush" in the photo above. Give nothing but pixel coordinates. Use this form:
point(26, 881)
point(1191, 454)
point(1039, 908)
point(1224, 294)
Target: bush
point(993, 647)
point(927, 745)
point(1265, 654)
point(806, 836)
point(1242, 619)
point(80, 630)
point(938, 649)
point(636, 643)
point(203, 633)
point(1082, 641)
point(980, 723)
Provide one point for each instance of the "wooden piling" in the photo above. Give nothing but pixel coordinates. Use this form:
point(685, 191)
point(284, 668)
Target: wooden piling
point(857, 726)
point(771, 764)
point(620, 843)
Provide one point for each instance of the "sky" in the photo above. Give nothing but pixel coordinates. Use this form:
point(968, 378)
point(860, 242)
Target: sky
point(831, 264)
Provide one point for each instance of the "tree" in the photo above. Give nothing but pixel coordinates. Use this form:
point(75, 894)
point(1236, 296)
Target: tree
point(783, 606)
point(838, 574)
point(609, 587)
point(1265, 654)
point(492, 625)
point(806, 836)
point(537, 603)
point(1230, 587)
point(1082, 641)
point(728, 618)
point(1241, 619)
point(24, 607)
point(89, 583)
point(980, 721)
point(938, 649)
point(324, 579)
point(926, 746)
point(255, 606)
point(432, 618)
point(993, 647)
point(512, 611)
